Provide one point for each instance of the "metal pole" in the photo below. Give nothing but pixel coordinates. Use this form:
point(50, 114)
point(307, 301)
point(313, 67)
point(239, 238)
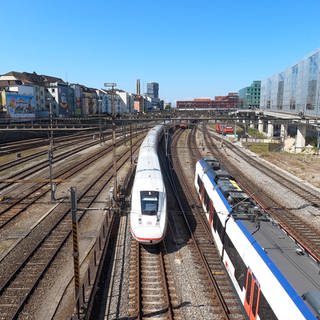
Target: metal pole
point(318, 140)
point(76, 266)
point(166, 139)
point(100, 124)
point(50, 155)
point(131, 160)
point(113, 115)
point(115, 187)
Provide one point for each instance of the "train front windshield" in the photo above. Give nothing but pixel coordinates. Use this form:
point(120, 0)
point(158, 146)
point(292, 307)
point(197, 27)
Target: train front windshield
point(149, 202)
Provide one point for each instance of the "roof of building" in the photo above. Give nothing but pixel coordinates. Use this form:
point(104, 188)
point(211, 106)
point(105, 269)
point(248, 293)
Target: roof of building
point(33, 78)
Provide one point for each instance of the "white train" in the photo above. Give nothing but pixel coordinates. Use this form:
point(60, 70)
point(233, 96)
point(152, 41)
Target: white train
point(273, 276)
point(148, 216)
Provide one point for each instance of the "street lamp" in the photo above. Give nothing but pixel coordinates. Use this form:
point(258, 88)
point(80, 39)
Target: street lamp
point(112, 85)
point(50, 153)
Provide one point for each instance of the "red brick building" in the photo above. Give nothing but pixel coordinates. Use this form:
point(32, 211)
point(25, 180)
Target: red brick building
point(229, 101)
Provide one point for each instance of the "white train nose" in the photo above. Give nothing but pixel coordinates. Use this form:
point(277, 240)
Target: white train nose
point(148, 235)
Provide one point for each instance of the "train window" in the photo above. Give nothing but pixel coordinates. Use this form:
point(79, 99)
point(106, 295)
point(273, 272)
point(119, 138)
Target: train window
point(211, 212)
point(201, 191)
point(149, 202)
point(248, 292)
point(215, 221)
point(199, 182)
point(237, 262)
point(219, 228)
point(265, 312)
point(206, 200)
point(256, 291)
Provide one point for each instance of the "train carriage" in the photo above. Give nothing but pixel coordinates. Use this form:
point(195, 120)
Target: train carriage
point(148, 215)
point(224, 129)
point(272, 275)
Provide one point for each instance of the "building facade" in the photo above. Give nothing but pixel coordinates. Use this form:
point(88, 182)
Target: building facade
point(125, 103)
point(250, 96)
point(295, 90)
point(231, 100)
point(152, 101)
point(29, 95)
point(62, 101)
point(89, 99)
point(153, 90)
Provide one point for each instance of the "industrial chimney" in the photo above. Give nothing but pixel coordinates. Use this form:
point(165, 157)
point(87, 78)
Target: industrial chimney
point(138, 87)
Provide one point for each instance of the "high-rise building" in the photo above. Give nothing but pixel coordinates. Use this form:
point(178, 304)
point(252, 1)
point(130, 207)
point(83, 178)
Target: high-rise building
point(250, 96)
point(153, 90)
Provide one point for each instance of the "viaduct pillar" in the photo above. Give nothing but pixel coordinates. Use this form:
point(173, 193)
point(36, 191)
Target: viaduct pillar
point(301, 137)
point(270, 129)
point(260, 125)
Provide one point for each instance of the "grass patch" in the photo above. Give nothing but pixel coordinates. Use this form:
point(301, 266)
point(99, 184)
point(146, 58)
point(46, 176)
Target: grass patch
point(255, 133)
point(259, 148)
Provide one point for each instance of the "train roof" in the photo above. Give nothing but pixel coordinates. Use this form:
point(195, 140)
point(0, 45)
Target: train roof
point(298, 270)
point(148, 171)
point(151, 138)
point(149, 180)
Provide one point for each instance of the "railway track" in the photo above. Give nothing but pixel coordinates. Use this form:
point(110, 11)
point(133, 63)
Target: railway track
point(149, 294)
point(22, 171)
point(26, 264)
point(302, 232)
point(116, 288)
point(58, 144)
point(308, 194)
point(224, 301)
point(152, 293)
point(23, 199)
point(19, 146)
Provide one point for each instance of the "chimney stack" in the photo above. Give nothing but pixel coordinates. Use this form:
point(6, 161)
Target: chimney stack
point(138, 87)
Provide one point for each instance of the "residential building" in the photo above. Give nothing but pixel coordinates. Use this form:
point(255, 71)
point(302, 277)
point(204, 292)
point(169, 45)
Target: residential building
point(63, 98)
point(24, 94)
point(31, 87)
point(89, 101)
point(125, 103)
point(77, 103)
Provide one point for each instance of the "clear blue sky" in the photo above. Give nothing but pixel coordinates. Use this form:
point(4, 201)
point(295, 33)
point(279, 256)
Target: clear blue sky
point(198, 48)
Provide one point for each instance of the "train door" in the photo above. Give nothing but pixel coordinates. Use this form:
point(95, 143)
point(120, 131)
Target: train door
point(211, 213)
point(252, 297)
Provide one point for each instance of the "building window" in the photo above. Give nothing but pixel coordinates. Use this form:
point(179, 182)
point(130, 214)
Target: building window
point(292, 104)
point(309, 106)
point(268, 104)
